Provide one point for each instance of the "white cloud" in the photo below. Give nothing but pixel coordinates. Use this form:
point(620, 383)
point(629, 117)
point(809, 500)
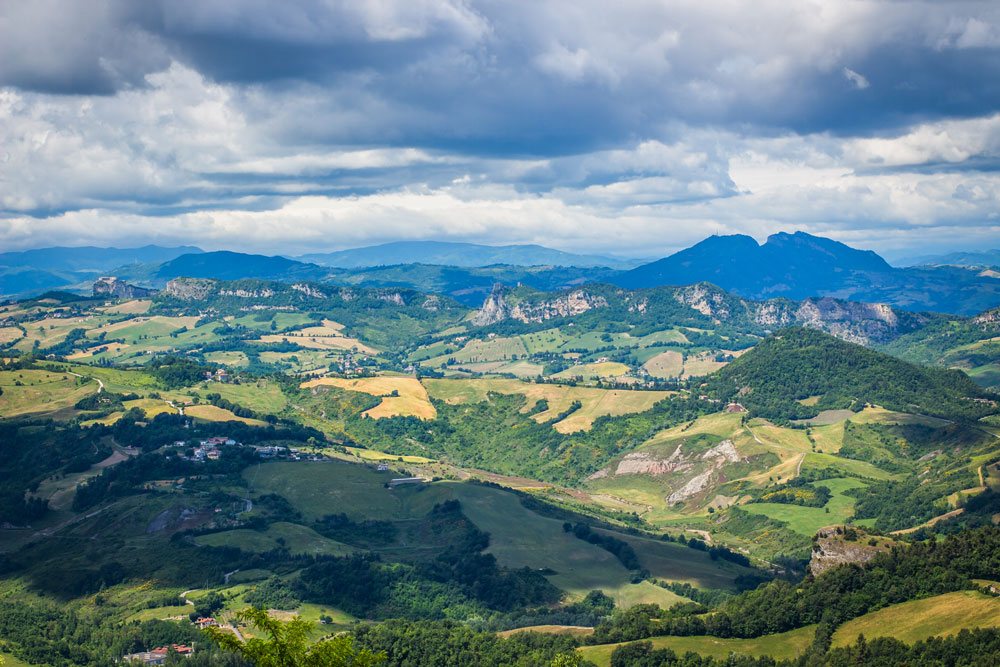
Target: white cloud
point(857, 80)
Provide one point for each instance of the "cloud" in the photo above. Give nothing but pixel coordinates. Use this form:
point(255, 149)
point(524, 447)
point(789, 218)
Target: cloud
point(857, 80)
point(283, 126)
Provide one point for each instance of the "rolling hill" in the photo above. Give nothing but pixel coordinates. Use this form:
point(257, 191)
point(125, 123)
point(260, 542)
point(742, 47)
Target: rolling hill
point(799, 372)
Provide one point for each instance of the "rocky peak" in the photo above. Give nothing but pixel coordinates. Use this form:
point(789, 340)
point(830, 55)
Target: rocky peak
point(117, 288)
point(494, 308)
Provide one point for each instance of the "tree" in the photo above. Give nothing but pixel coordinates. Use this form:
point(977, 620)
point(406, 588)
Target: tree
point(286, 644)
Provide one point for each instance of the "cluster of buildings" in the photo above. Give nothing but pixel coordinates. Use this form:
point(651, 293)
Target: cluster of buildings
point(220, 375)
point(158, 655)
point(208, 449)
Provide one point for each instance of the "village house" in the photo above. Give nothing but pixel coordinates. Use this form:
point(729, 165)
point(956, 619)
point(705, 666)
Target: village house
point(206, 621)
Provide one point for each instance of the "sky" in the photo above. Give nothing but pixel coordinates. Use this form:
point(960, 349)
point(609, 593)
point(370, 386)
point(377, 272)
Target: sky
point(632, 128)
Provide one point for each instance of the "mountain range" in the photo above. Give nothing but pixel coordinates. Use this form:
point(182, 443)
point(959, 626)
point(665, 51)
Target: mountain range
point(793, 266)
point(459, 254)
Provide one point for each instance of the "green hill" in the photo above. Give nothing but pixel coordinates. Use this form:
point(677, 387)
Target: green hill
point(797, 366)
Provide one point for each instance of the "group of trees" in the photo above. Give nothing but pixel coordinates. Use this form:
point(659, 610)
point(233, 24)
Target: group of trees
point(902, 574)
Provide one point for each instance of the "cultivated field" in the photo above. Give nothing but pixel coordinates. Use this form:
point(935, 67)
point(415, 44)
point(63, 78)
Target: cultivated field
point(212, 413)
point(595, 402)
point(665, 365)
point(410, 397)
point(912, 621)
point(784, 646)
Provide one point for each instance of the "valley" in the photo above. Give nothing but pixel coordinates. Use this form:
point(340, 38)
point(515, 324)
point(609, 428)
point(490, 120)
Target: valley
point(561, 462)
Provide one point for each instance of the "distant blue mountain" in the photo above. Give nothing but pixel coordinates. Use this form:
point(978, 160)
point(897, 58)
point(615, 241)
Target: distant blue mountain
point(794, 265)
point(91, 258)
point(226, 265)
point(458, 254)
point(972, 258)
point(29, 272)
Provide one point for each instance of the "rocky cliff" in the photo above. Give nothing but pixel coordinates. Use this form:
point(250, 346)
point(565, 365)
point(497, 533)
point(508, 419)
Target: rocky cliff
point(114, 287)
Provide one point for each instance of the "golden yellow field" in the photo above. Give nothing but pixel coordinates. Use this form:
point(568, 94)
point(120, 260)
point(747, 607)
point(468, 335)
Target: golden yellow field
point(332, 341)
point(8, 334)
point(412, 399)
point(595, 402)
point(604, 369)
point(134, 307)
point(215, 414)
point(701, 364)
point(112, 348)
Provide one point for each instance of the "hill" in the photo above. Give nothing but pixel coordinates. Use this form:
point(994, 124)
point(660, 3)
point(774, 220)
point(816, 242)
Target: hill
point(800, 265)
point(226, 265)
point(458, 254)
point(797, 366)
point(972, 345)
point(30, 272)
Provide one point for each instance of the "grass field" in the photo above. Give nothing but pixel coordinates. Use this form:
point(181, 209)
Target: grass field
point(261, 396)
point(372, 455)
point(298, 539)
point(807, 520)
point(519, 537)
point(595, 402)
point(784, 646)
point(604, 369)
point(133, 307)
point(476, 350)
point(574, 630)
point(9, 334)
point(327, 336)
point(212, 413)
point(701, 364)
point(850, 466)
point(410, 399)
point(228, 359)
point(40, 391)
point(665, 365)
point(912, 621)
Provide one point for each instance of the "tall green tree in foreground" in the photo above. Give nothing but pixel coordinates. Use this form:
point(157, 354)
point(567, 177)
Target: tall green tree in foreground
point(286, 644)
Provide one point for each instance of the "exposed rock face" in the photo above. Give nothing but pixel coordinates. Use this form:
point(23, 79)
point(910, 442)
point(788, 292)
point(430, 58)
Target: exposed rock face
point(190, 289)
point(706, 300)
point(838, 545)
point(248, 293)
point(309, 290)
point(643, 463)
point(725, 451)
point(494, 309)
point(854, 322)
point(574, 303)
point(119, 289)
point(694, 486)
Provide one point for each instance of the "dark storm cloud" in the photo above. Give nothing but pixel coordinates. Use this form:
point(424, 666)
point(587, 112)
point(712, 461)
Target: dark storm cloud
point(534, 78)
point(294, 122)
